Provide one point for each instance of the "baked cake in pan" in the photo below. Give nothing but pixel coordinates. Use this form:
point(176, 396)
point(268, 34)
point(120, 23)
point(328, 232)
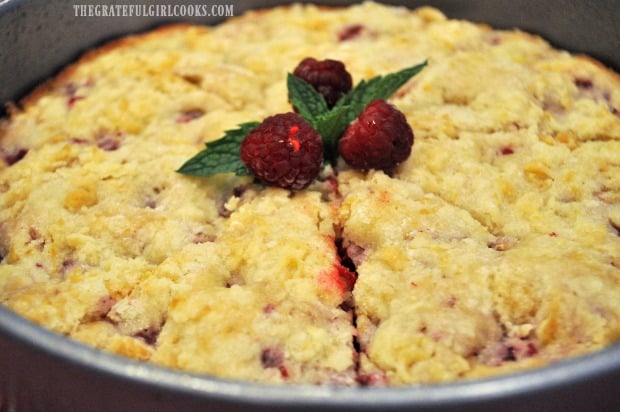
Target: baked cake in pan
point(493, 248)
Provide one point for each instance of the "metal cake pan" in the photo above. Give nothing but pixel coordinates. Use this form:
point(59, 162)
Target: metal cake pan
point(43, 371)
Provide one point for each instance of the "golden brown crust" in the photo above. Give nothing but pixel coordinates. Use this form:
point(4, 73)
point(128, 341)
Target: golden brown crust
point(491, 249)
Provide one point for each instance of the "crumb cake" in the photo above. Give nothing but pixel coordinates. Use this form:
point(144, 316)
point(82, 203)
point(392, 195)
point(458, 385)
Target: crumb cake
point(493, 248)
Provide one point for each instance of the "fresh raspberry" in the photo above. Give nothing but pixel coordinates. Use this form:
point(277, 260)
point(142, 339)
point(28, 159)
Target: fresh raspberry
point(284, 150)
point(380, 138)
point(328, 77)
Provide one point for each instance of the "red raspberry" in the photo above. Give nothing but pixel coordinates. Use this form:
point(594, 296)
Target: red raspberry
point(328, 77)
point(284, 150)
point(380, 138)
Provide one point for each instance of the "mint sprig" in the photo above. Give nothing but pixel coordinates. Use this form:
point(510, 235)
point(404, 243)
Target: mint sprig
point(330, 126)
point(222, 156)
point(310, 104)
point(380, 87)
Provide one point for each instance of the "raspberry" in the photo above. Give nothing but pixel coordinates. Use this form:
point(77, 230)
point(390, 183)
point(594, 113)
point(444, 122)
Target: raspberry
point(380, 138)
point(284, 150)
point(328, 77)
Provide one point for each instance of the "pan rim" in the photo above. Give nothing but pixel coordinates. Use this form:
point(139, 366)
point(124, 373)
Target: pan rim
point(554, 376)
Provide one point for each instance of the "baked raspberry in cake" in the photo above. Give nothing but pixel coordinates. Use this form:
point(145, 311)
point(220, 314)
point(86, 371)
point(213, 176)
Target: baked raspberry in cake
point(493, 247)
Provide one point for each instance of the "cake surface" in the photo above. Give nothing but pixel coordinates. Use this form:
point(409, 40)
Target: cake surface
point(494, 248)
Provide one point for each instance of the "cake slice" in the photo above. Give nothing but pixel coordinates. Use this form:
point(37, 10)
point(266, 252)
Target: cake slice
point(269, 308)
point(439, 297)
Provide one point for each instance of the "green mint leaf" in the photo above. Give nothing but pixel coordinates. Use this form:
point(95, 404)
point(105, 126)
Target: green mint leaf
point(380, 87)
point(220, 156)
point(330, 126)
point(310, 104)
